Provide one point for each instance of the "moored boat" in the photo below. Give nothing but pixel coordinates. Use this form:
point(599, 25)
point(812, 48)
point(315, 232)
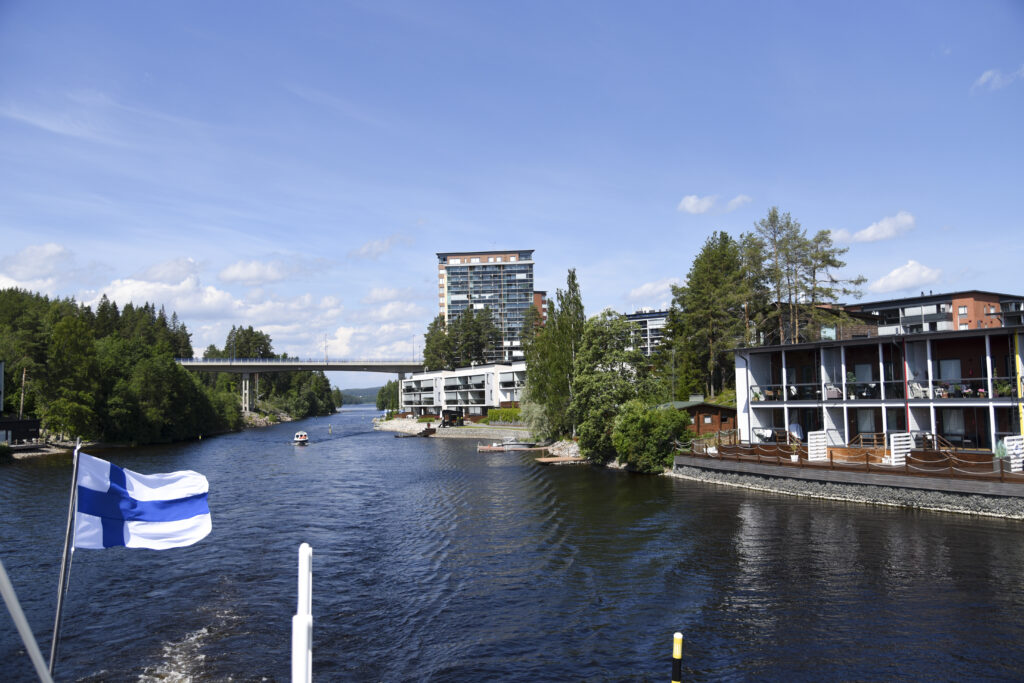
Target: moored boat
point(502, 446)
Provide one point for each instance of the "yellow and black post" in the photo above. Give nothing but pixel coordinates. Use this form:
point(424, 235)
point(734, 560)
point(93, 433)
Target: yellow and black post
point(677, 657)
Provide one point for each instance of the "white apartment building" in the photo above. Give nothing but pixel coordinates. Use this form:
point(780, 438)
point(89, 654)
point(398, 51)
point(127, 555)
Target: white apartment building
point(470, 391)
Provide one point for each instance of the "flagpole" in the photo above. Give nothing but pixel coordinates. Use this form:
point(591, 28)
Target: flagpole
point(65, 561)
point(14, 607)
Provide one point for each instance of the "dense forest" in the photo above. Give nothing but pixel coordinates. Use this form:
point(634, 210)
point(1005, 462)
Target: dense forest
point(110, 375)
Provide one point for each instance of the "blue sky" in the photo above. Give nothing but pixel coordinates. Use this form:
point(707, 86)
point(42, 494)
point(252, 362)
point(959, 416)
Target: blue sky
point(295, 166)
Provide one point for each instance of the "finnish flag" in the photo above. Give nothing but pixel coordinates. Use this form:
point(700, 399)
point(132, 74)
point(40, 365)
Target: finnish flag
point(120, 507)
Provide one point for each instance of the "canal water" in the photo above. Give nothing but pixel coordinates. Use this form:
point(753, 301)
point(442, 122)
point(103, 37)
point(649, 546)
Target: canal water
point(434, 562)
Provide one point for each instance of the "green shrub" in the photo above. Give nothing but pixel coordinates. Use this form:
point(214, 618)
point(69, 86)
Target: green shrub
point(644, 437)
point(428, 418)
point(510, 415)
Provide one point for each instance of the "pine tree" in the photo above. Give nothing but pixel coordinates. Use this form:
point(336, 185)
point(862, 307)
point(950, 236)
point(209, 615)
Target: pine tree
point(436, 346)
point(781, 236)
point(707, 313)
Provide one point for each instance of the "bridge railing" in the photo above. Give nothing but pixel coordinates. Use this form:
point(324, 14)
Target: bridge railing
point(311, 361)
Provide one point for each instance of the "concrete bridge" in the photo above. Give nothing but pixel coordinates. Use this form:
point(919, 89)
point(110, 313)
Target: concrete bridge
point(248, 367)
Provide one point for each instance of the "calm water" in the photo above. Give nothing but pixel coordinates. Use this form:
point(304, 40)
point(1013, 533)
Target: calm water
point(434, 562)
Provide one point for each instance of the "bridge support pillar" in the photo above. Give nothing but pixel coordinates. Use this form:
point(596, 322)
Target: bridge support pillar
point(246, 395)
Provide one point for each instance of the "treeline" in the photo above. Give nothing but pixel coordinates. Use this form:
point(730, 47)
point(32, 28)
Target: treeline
point(387, 396)
point(773, 285)
point(300, 394)
point(587, 379)
point(466, 340)
point(108, 374)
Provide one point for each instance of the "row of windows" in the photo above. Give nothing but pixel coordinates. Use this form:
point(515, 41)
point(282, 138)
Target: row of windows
point(476, 259)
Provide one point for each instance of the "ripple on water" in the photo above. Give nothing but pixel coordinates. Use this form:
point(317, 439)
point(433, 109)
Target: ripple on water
point(434, 562)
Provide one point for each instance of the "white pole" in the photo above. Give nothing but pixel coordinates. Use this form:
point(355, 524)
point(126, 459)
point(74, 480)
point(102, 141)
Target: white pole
point(302, 622)
point(14, 607)
point(65, 562)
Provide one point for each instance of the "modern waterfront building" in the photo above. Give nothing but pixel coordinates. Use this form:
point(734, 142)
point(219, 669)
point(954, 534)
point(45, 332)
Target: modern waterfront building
point(970, 310)
point(650, 328)
point(469, 391)
point(499, 280)
point(948, 365)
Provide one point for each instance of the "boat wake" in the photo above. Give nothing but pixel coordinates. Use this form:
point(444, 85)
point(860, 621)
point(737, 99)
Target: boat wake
point(183, 660)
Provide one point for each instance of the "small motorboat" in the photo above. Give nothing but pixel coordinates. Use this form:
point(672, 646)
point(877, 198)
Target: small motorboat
point(502, 446)
point(517, 445)
point(301, 439)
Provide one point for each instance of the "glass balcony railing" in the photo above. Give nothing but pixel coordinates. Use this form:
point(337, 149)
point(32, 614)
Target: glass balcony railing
point(895, 389)
point(960, 388)
point(863, 390)
point(766, 392)
point(1004, 387)
point(803, 392)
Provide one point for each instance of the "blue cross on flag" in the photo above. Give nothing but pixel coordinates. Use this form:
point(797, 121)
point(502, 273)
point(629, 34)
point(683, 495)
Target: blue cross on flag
point(116, 506)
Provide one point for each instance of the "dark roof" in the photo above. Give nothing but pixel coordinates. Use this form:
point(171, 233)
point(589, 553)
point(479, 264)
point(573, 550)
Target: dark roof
point(482, 253)
point(685, 405)
point(929, 298)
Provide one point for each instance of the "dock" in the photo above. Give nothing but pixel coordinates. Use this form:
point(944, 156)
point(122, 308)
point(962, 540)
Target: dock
point(561, 460)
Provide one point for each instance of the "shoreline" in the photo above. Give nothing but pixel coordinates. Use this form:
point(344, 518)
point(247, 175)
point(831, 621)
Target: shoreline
point(888, 496)
point(408, 425)
point(405, 425)
point(35, 450)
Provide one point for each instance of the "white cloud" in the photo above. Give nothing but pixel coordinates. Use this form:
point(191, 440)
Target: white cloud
point(37, 262)
point(657, 293)
point(339, 345)
point(170, 272)
point(188, 298)
point(379, 295)
point(885, 229)
point(738, 201)
point(62, 123)
point(994, 79)
point(693, 204)
point(395, 310)
point(331, 305)
point(46, 286)
point(377, 248)
point(908, 276)
point(385, 341)
point(254, 272)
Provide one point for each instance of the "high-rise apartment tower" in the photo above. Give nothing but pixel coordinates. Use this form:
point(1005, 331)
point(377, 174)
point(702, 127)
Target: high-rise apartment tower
point(499, 280)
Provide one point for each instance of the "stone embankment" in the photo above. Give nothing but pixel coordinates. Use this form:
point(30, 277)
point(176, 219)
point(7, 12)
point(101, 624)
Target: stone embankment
point(990, 506)
point(37, 448)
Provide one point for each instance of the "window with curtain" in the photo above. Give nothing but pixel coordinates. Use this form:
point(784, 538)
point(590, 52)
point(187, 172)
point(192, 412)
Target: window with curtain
point(953, 421)
point(863, 372)
point(949, 369)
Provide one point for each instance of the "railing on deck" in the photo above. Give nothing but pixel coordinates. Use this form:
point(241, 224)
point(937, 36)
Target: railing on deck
point(896, 389)
point(933, 456)
point(869, 440)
